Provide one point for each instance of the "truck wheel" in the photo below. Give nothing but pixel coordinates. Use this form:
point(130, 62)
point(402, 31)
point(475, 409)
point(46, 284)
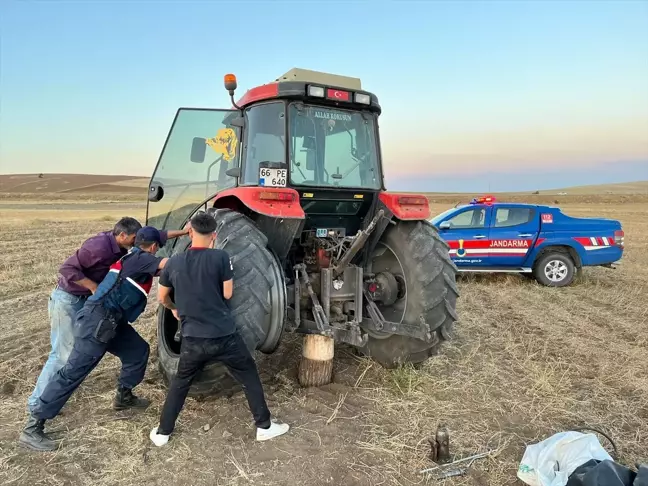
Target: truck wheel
point(426, 293)
point(555, 269)
point(258, 303)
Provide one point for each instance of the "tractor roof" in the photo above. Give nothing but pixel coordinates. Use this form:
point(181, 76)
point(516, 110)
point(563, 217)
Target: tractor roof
point(317, 77)
point(293, 84)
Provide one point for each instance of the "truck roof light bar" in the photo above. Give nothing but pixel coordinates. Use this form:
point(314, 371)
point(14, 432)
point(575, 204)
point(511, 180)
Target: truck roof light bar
point(483, 200)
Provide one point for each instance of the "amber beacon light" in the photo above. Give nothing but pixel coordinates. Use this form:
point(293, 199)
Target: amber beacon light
point(230, 83)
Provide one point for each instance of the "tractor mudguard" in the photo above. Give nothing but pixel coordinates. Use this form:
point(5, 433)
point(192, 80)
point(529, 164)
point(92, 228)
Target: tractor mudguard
point(268, 201)
point(276, 212)
point(407, 207)
point(404, 207)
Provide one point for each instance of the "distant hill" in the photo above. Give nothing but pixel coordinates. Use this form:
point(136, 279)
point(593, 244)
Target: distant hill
point(624, 188)
point(455, 178)
point(72, 183)
point(638, 187)
point(91, 184)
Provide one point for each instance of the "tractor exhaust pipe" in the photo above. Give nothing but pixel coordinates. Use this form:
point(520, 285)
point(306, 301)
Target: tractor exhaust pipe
point(358, 243)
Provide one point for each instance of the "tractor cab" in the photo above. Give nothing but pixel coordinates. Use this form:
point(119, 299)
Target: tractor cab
point(314, 133)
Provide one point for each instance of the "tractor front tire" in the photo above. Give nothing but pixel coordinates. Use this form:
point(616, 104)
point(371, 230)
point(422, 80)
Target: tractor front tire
point(428, 276)
point(258, 303)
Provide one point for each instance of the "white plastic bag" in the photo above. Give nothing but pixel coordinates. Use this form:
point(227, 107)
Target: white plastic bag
point(551, 462)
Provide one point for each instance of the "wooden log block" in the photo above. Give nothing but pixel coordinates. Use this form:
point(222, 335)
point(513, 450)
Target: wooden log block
point(316, 365)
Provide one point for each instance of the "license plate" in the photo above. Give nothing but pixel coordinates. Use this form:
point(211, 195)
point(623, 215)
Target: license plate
point(273, 177)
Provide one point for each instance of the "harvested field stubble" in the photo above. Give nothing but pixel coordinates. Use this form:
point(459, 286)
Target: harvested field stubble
point(527, 361)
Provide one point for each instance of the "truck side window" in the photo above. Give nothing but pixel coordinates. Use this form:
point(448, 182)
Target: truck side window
point(468, 219)
point(505, 217)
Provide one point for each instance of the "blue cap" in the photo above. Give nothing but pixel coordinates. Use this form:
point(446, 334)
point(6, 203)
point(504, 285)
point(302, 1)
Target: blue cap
point(149, 233)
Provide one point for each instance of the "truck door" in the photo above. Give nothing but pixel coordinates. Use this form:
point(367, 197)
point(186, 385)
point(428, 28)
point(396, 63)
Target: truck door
point(513, 231)
point(466, 231)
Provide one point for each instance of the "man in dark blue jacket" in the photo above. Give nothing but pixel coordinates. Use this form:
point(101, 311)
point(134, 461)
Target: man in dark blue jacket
point(103, 325)
point(79, 277)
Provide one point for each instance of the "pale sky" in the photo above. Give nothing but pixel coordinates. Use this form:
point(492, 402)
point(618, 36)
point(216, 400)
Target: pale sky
point(468, 88)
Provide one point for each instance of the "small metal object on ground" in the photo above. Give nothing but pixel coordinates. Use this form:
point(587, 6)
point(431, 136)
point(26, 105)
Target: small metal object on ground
point(443, 444)
point(450, 473)
point(469, 458)
point(433, 448)
point(440, 445)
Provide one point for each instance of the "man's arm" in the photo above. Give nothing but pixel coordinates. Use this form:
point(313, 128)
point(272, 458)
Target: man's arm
point(164, 297)
point(164, 289)
point(91, 285)
point(161, 266)
point(168, 234)
point(228, 288)
point(73, 268)
point(228, 276)
point(176, 233)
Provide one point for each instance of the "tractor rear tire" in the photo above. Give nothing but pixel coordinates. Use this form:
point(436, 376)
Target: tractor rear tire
point(429, 278)
point(258, 303)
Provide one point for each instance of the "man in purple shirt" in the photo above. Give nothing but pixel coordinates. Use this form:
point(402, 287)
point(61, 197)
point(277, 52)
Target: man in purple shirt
point(79, 276)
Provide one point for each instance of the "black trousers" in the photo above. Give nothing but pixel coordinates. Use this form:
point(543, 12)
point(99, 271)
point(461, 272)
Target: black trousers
point(195, 353)
point(127, 345)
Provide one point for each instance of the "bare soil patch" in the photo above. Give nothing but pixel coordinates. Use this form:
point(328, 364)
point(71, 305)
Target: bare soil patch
point(527, 361)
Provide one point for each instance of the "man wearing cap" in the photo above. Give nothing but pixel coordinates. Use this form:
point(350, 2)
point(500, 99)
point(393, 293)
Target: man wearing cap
point(103, 325)
point(78, 279)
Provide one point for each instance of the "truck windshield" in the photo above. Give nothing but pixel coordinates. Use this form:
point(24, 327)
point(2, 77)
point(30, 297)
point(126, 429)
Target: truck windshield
point(333, 147)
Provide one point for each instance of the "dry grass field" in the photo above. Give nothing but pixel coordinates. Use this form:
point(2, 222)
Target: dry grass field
point(527, 361)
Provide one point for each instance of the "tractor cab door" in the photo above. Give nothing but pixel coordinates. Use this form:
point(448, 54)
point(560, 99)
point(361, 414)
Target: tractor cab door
point(200, 149)
point(467, 233)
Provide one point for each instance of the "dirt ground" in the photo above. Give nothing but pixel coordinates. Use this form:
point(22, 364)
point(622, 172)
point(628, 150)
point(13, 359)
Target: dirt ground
point(527, 361)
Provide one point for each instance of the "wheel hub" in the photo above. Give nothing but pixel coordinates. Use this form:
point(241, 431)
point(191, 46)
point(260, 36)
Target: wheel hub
point(556, 270)
point(385, 289)
point(390, 276)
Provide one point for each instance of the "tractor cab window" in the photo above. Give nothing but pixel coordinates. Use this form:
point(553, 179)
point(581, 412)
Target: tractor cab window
point(265, 140)
point(200, 148)
point(333, 147)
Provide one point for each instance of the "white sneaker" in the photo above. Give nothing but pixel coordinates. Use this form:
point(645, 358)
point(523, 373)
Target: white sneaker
point(158, 439)
point(275, 430)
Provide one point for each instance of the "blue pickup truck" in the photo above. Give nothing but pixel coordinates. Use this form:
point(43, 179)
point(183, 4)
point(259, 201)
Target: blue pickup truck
point(540, 241)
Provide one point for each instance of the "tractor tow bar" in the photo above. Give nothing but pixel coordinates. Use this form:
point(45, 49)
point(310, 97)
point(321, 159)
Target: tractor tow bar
point(318, 312)
point(358, 243)
point(379, 323)
point(353, 335)
point(374, 312)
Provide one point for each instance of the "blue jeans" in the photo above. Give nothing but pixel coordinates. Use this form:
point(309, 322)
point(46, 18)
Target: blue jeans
point(62, 310)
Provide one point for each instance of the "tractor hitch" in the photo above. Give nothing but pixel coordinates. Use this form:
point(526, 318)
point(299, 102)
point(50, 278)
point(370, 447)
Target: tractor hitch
point(321, 318)
point(358, 243)
point(377, 323)
point(334, 293)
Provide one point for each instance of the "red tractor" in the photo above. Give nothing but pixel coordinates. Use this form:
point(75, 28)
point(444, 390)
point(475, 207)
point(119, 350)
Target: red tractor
point(294, 178)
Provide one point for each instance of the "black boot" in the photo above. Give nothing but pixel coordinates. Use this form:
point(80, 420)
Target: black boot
point(125, 399)
point(34, 437)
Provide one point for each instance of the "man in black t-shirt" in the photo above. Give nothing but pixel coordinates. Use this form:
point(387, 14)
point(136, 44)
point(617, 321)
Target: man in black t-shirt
point(202, 281)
